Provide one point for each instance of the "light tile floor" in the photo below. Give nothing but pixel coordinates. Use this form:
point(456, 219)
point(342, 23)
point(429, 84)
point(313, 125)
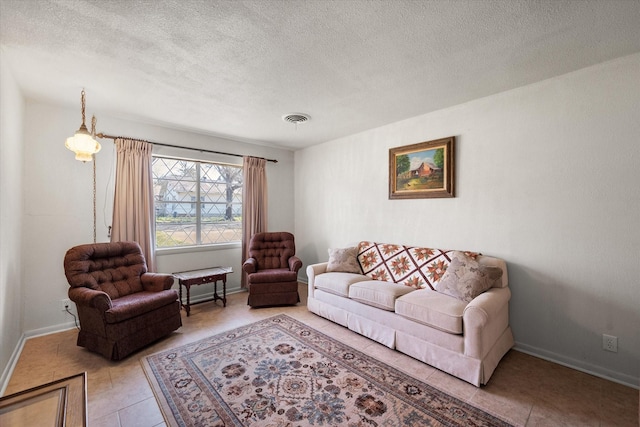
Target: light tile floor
point(524, 390)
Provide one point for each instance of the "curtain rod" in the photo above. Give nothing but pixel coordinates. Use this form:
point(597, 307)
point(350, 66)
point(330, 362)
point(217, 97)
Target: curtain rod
point(102, 135)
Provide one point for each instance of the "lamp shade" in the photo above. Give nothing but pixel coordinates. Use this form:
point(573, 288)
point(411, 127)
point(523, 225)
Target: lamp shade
point(83, 144)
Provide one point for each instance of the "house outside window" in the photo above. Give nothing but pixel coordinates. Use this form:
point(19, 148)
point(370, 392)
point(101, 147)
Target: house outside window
point(196, 203)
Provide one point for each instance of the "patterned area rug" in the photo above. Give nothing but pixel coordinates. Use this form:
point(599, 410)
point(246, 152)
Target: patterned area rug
point(279, 372)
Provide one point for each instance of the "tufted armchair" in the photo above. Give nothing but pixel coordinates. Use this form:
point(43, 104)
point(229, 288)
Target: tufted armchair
point(272, 270)
point(121, 307)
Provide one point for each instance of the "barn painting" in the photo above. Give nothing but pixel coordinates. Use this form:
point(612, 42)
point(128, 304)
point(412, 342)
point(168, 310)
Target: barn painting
point(422, 170)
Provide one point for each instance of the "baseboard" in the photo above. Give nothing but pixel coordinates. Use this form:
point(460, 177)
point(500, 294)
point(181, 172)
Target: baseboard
point(49, 330)
point(578, 365)
point(13, 360)
point(197, 297)
point(204, 296)
point(6, 375)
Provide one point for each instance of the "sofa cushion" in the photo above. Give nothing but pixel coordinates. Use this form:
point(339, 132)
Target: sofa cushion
point(378, 294)
point(337, 283)
point(344, 260)
point(433, 309)
point(465, 278)
point(418, 267)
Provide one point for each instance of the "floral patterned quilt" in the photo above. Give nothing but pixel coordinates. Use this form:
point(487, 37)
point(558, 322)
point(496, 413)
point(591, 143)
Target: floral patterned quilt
point(412, 266)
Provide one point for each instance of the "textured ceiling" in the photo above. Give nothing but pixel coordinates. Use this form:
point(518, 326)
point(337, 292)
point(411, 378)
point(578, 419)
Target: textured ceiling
point(234, 68)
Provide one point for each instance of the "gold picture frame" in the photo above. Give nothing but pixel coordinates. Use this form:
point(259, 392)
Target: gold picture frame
point(423, 170)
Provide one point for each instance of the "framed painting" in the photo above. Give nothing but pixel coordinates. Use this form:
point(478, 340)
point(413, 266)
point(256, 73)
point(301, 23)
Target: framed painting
point(423, 170)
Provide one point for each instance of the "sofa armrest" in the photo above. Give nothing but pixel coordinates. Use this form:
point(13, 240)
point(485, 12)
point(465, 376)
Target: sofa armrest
point(90, 298)
point(156, 282)
point(250, 265)
point(312, 271)
point(295, 264)
point(484, 320)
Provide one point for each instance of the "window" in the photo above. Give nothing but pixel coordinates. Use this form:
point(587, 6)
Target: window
point(196, 203)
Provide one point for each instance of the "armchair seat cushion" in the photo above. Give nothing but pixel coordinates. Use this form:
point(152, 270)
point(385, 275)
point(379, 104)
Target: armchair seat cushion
point(137, 304)
point(275, 275)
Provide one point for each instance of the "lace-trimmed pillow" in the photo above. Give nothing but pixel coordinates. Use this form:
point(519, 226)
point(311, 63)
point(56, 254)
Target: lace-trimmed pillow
point(465, 278)
point(344, 260)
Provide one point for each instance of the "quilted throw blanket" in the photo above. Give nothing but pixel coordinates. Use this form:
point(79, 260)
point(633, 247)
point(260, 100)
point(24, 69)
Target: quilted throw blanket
point(410, 265)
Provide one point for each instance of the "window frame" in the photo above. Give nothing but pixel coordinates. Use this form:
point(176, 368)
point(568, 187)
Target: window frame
point(199, 202)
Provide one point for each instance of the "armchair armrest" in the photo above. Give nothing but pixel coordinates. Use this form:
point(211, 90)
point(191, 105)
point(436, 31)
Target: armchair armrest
point(156, 282)
point(484, 320)
point(250, 265)
point(91, 298)
point(295, 263)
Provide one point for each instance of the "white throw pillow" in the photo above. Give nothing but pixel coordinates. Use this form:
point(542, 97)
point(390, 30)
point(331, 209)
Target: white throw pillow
point(465, 278)
point(344, 260)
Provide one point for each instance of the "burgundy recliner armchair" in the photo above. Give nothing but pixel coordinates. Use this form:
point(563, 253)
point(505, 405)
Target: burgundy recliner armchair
point(121, 307)
point(272, 270)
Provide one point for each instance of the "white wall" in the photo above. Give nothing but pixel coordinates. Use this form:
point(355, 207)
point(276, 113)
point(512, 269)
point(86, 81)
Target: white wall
point(58, 202)
point(547, 178)
point(11, 152)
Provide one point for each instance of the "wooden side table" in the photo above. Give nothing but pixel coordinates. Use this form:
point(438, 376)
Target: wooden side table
point(199, 277)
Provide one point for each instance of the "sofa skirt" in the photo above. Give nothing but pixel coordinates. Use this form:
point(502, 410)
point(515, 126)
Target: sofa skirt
point(442, 350)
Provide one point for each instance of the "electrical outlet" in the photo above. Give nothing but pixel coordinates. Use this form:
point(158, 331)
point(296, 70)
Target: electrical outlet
point(64, 304)
point(609, 343)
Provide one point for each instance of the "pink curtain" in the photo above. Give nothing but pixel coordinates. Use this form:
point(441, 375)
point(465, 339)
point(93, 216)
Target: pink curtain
point(133, 218)
point(254, 202)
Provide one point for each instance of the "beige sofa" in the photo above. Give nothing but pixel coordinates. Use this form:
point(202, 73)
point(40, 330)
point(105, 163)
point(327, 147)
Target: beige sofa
point(403, 310)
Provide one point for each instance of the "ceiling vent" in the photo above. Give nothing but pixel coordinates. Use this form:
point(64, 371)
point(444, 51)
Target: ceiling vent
point(296, 118)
